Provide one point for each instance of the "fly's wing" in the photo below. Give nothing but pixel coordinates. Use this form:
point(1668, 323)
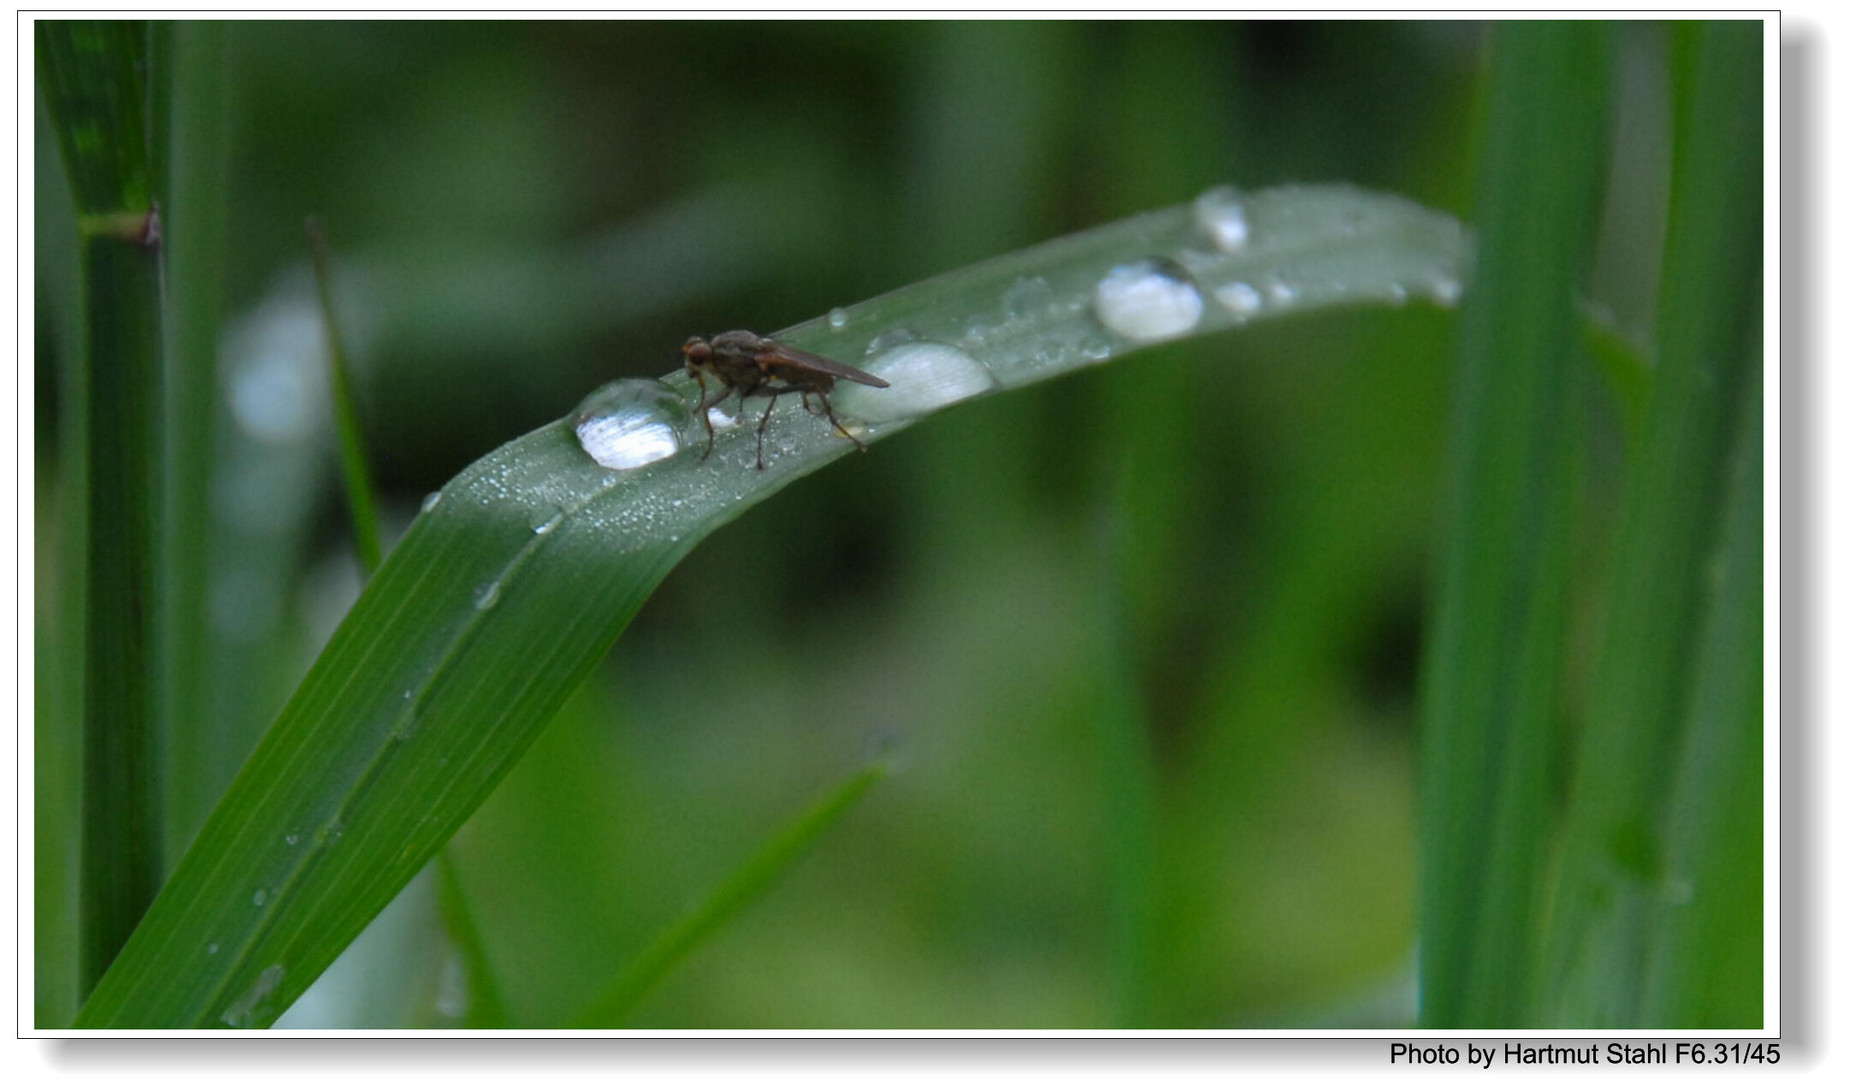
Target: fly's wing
point(776, 353)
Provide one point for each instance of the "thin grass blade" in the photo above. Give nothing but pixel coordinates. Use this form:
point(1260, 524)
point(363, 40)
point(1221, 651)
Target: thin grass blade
point(738, 892)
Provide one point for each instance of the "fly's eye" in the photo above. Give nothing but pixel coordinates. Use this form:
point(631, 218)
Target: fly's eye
point(697, 351)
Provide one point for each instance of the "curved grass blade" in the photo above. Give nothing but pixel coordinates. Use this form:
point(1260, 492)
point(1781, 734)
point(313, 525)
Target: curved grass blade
point(734, 895)
point(521, 573)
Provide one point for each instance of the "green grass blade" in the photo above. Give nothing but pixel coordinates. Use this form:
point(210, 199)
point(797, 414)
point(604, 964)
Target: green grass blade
point(92, 75)
point(1614, 886)
point(1491, 672)
point(518, 577)
point(739, 891)
point(361, 505)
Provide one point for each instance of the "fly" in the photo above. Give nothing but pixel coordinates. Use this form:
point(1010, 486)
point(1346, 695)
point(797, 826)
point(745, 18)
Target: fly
point(751, 366)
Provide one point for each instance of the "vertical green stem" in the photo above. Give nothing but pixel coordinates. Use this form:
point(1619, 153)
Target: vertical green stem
point(93, 75)
point(1490, 697)
point(1617, 884)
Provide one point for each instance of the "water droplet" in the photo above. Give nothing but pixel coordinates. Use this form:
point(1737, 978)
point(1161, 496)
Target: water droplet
point(1282, 292)
point(1027, 298)
point(1095, 347)
point(924, 376)
point(292, 839)
point(430, 501)
point(1221, 214)
point(1445, 291)
point(1240, 298)
point(1148, 300)
point(891, 339)
point(240, 1013)
point(544, 521)
point(258, 897)
point(630, 423)
point(838, 318)
point(212, 949)
point(487, 596)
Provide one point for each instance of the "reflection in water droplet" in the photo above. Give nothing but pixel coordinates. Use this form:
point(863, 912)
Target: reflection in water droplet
point(838, 318)
point(487, 596)
point(890, 339)
point(1148, 300)
point(1240, 298)
point(631, 422)
point(1221, 214)
point(924, 376)
point(430, 501)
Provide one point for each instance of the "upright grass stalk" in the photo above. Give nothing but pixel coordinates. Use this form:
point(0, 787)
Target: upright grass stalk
point(191, 121)
point(1490, 693)
point(1666, 690)
point(93, 76)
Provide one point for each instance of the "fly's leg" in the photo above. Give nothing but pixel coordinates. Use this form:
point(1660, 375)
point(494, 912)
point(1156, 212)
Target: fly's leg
point(765, 419)
point(829, 411)
point(704, 406)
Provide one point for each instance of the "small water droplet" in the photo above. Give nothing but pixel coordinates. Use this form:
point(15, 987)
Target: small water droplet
point(241, 1012)
point(212, 949)
point(1240, 298)
point(891, 339)
point(1281, 291)
point(292, 839)
point(1095, 348)
point(487, 595)
point(1027, 298)
point(430, 501)
point(1221, 214)
point(838, 318)
point(1148, 300)
point(546, 520)
point(925, 375)
point(630, 423)
point(1445, 291)
point(258, 897)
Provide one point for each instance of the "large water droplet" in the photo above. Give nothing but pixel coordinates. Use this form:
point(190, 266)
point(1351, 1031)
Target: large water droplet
point(924, 376)
point(1220, 213)
point(487, 596)
point(1148, 300)
point(838, 318)
point(630, 423)
point(430, 501)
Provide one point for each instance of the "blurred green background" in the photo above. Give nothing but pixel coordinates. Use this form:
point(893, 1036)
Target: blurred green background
point(1226, 541)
